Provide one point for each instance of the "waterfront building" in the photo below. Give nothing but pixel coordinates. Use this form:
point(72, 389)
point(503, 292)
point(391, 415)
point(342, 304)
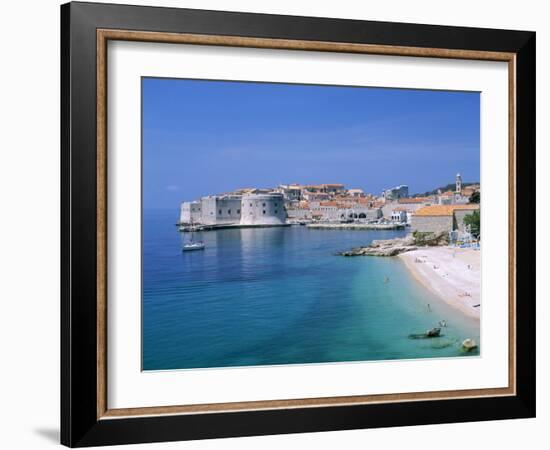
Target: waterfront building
point(367, 213)
point(221, 210)
point(190, 212)
point(336, 211)
point(387, 209)
point(441, 218)
point(323, 202)
point(401, 214)
point(263, 209)
point(297, 211)
point(235, 210)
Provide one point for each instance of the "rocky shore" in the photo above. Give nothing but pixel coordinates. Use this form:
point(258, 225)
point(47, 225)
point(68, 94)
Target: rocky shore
point(393, 247)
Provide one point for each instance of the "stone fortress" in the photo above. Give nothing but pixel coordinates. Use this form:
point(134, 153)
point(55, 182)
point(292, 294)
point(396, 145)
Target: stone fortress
point(332, 205)
point(263, 209)
point(249, 209)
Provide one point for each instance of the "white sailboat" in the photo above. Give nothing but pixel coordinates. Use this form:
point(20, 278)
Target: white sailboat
point(191, 244)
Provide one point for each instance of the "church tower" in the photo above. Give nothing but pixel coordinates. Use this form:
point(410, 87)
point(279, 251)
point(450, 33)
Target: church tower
point(458, 189)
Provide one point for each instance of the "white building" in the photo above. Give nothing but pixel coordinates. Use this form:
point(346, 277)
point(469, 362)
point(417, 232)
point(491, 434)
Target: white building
point(190, 212)
point(399, 215)
point(263, 209)
point(298, 213)
point(221, 210)
point(361, 213)
point(245, 210)
point(335, 212)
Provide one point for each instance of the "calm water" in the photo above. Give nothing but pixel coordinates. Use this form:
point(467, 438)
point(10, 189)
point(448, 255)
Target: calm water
point(281, 296)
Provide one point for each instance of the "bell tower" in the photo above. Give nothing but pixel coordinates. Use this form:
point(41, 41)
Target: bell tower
point(458, 189)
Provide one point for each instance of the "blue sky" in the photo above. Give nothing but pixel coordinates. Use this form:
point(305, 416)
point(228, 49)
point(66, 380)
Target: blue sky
point(206, 137)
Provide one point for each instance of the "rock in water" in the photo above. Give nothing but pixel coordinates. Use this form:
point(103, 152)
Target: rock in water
point(434, 332)
point(468, 345)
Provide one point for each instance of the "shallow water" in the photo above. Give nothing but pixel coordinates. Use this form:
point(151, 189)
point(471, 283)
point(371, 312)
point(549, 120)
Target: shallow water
point(280, 296)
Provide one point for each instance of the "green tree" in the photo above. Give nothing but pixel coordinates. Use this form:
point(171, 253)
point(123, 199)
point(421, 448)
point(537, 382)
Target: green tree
point(474, 198)
point(473, 221)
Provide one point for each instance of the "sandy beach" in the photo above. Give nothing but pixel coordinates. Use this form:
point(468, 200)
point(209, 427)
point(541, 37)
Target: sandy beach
point(453, 274)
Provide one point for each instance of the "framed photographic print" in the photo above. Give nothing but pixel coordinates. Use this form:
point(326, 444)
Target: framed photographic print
point(277, 224)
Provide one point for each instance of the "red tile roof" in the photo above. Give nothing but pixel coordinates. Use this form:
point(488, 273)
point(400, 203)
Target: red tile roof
point(443, 210)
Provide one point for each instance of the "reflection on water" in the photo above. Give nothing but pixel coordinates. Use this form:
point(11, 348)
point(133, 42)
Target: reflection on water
point(261, 296)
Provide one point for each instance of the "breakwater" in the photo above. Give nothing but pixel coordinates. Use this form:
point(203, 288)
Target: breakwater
point(197, 227)
point(355, 226)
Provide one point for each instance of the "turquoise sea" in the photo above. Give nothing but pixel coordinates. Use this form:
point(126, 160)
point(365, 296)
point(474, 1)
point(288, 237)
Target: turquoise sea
point(280, 296)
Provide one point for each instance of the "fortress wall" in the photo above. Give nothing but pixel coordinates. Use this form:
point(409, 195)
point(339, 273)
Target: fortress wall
point(263, 209)
point(221, 210)
point(190, 212)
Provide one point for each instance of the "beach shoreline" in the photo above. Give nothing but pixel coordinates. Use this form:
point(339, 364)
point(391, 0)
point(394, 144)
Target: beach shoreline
point(452, 274)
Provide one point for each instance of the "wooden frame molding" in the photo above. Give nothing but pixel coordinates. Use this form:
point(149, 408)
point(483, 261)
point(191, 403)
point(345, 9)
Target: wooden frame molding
point(86, 29)
point(103, 36)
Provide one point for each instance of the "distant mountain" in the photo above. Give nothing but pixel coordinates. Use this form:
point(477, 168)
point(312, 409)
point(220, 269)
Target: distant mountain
point(449, 187)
